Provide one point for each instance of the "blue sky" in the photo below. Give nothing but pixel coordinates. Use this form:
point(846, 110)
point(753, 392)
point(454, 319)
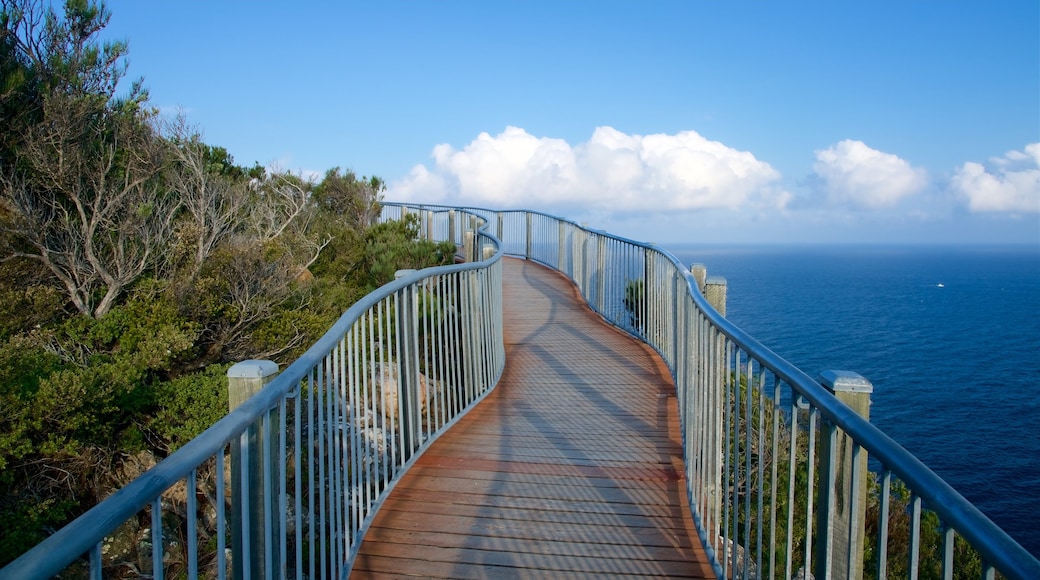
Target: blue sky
point(698, 122)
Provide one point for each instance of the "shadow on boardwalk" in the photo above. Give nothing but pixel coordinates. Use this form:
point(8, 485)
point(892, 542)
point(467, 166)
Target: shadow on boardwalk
point(571, 467)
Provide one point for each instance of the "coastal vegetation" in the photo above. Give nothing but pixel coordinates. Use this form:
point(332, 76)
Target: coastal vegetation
point(773, 473)
point(137, 262)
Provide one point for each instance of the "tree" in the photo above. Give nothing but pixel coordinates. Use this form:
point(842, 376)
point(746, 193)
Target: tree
point(214, 192)
point(356, 201)
point(82, 193)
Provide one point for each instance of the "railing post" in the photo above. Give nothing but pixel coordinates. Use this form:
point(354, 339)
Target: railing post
point(700, 273)
point(254, 517)
point(562, 258)
point(530, 229)
point(841, 518)
point(601, 272)
point(715, 292)
point(583, 284)
point(467, 247)
point(500, 229)
point(451, 226)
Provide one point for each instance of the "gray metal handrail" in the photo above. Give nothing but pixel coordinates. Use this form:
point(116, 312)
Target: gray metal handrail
point(338, 427)
point(725, 379)
point(760, 437)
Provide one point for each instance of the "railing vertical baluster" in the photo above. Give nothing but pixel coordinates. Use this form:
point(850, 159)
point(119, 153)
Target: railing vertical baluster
point(191, 519)
point(775, 412)
point(792, 465)
point(947, 552)
point(719, 347)
point(732, 414)
point(157, 539)
point(265, 460)
point(915, 536)
point(337, 460)
point(283, 489)
point(857, 510)
point(96, 562)
point(814, 420)
point(883, 521)
point(324, 468)
point(748, 452)
point(221, 531)
point(760, 460)
point(298, 459)
point(312, 464)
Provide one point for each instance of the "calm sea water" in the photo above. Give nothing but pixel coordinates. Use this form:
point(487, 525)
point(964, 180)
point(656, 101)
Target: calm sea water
point(949, 337)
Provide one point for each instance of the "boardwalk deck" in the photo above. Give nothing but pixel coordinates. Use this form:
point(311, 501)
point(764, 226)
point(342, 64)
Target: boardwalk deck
point(570, 468)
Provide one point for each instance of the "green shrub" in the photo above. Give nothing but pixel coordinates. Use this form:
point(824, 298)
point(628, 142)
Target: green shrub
point(190, 404)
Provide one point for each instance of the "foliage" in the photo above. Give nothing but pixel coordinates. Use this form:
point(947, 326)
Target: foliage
point(353, 201)
point(137, 262)
point(80, 187)
point(763, 426)
point(188, 405)
point(395, 245)
point(635, 303)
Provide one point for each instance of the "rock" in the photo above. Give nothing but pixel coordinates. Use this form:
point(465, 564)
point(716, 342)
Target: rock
point(386, 384)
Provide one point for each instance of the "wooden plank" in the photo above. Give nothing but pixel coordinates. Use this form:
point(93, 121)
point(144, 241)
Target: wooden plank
point(538, 503)
point(569, 516)
point(572, 467)
point(594, 563)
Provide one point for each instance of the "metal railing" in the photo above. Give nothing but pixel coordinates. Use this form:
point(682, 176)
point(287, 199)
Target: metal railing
point(304, 463)
point(775, 462)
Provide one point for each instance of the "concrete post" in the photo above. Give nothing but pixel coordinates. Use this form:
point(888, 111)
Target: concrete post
point(501, 226)
point(715, 292)
point(839, 529)
point(255, 512)
point(561, 250)
point(530, 231)
point(700, 273)
point(601, 272)
point(467, 247)
point(451, 226)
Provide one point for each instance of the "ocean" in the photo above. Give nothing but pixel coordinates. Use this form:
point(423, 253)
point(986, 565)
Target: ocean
point(949, 337)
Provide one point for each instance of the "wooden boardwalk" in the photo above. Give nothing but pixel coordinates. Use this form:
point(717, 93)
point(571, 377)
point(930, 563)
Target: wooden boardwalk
point(572, 467)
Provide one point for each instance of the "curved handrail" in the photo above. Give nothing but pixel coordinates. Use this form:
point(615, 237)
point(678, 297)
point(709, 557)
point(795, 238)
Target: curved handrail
point(470, 291)
point(721, 373)
point(683, 304)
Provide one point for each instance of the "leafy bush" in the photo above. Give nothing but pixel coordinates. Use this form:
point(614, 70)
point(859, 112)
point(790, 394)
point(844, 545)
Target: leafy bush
point(188, 405)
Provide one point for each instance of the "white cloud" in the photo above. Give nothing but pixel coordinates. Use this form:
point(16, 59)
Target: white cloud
point(612, 171)
point(1012, 184)
point(854, 174)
